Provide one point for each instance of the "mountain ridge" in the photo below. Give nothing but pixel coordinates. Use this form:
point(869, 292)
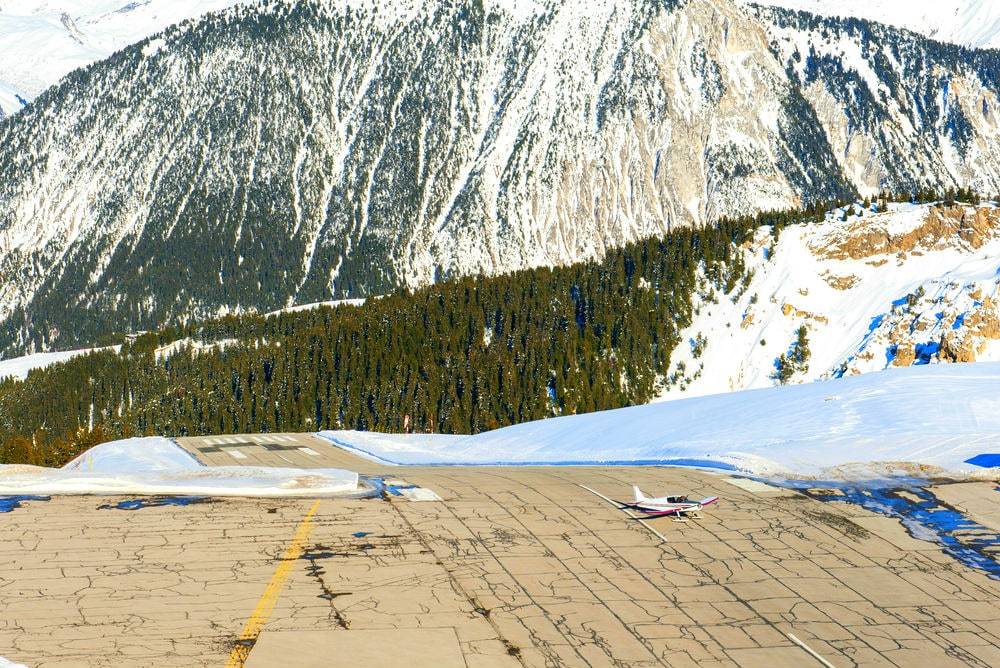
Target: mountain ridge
point(189, 175)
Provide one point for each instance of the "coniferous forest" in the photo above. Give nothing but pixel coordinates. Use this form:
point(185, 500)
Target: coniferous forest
point(462, 356)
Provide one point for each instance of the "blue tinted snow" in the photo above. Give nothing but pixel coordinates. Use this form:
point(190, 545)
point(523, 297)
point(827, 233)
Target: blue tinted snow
point(9, 503)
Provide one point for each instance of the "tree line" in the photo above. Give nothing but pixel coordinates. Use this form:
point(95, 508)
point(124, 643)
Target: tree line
point(461, 356)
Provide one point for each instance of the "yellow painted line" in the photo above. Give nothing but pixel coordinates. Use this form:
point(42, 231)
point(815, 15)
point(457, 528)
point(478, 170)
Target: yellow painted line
point(265, 606)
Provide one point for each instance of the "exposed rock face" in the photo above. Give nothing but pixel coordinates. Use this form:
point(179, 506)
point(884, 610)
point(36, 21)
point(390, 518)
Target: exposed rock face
point(318, 149)
point(840, 282)
point(910, 285)
point(942, 226)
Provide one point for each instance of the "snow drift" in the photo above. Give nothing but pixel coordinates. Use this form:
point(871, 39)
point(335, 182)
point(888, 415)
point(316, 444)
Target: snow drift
point(156, 465)
point(919, 421)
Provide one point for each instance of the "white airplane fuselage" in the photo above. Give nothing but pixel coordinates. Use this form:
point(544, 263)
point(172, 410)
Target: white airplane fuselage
point(676, 505)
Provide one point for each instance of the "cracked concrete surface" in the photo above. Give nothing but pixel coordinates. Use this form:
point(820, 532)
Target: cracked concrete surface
point(516, 566)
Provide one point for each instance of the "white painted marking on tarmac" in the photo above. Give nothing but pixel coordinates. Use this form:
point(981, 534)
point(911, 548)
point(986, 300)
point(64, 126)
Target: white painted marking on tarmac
point(236, 454)
point(309, 451)
point(810, 650)
point(419, 494)
point(756, 486)
point(627, 512)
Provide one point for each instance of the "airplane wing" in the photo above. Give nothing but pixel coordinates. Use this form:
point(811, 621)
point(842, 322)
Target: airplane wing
point(660, 513)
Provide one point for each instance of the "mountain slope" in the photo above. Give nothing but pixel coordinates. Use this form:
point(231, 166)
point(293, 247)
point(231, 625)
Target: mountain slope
point(43, 40)
point(909, 286)
point(972, 23)
point(297, 153)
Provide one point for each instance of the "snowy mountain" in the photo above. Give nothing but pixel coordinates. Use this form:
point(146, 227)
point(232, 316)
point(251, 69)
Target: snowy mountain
point(973, 23)
point(325, 149)
point(910, 286)
point(43, 40)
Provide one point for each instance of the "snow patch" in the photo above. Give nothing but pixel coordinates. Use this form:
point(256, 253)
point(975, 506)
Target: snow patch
point(7, 663)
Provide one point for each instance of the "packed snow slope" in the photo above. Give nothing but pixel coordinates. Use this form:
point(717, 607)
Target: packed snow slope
point(973, 23)
point(43, 40)
point(18, 367)
point(923, 421)
point(290, 153)
point(911, 285)
point(155, 465)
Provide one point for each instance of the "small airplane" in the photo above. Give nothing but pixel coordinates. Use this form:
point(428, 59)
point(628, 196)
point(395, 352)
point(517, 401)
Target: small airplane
point(667, 506)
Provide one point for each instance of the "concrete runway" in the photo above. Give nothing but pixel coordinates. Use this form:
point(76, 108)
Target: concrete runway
point(514, 567)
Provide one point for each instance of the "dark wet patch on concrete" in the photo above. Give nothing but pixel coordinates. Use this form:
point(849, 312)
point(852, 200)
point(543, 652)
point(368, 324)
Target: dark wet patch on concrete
point(155, 502)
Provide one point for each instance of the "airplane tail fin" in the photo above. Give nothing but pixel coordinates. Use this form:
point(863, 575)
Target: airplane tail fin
point(639, 496)
point(709, 501)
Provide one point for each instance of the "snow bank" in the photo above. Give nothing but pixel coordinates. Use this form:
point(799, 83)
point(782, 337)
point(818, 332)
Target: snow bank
point(158, 466)
point(134, 455)
point(919, 421)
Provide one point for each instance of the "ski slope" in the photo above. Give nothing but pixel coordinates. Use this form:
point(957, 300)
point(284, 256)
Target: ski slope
point(974, 23)
point(155, 465)
point(915, 422)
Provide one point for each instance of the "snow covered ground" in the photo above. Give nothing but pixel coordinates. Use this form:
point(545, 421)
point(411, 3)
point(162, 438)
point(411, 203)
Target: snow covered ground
point(43, 40)
point(18, 367)
point(974, 23)
point(334, 303)
point(914, 422)
point(909, 286)
point(155, 465)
